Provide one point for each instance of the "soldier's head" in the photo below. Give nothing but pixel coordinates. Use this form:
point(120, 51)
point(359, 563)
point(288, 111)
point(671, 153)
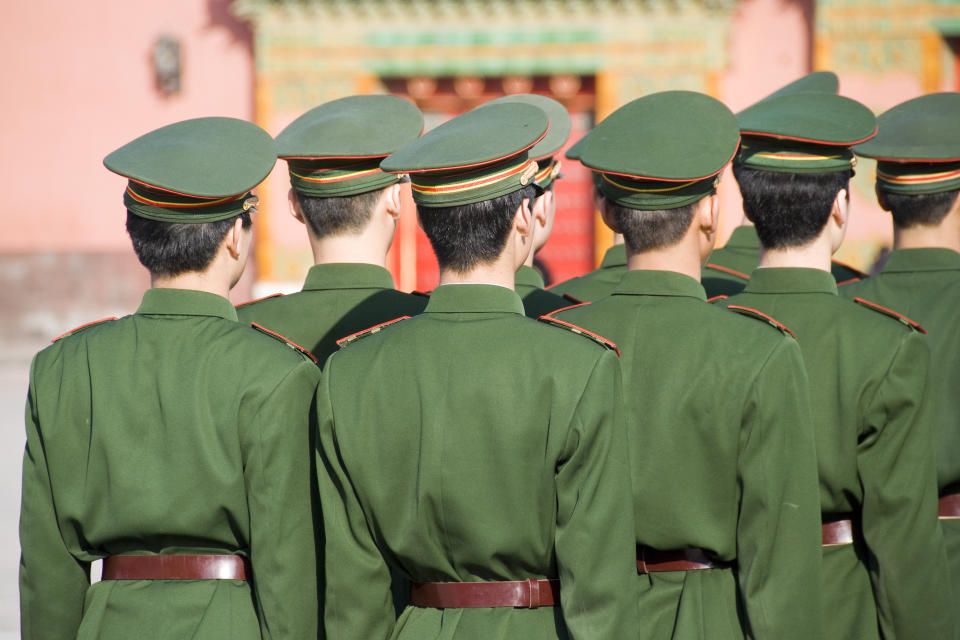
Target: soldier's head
point(544, 207)
point(917, 149)
point(188, 196)
point(793, 209)
point(473, 183)
point(657, 161)
point(795, 163)
point(333, 154)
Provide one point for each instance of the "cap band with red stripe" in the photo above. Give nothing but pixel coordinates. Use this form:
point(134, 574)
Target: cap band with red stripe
point(166, 206)
point(917, 178)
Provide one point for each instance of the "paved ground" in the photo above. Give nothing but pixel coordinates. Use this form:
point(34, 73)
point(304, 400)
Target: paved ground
point(14, 368)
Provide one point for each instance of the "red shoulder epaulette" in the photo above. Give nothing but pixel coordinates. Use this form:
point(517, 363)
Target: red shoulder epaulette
point(759, 315)
point(893, 314)
point(732, 272)
point(569, 326)
point(82, 327)
point(353, 337)
point(575, 301)
point(722, 296)
point(285, 340)
point(572, 306)
point(422, 294)
point(272, 295)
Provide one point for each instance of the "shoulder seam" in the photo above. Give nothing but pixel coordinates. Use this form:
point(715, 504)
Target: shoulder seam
point(286, 340)
point(892, 314)
point(728, 270)
point(595, 337)
point(770, 320)
point(353, 337)
point(572, 306)
point(272, 295)
point(83, 326)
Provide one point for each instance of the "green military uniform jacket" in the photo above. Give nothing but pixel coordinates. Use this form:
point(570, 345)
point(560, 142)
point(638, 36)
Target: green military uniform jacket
point(536, 301)
point(599, 282)
point(336, 301)
point(473, 444)
point(873, 422)
point(924, 284)
point(723, 459)
point(172, 431)
point(728, 269)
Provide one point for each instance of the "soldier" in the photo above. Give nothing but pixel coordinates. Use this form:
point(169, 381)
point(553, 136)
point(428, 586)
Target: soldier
point(728, 269)
point(883, 556)
point(601, 281)
point(724, 471)
point(494, 482)
point(350, 209)
point(174, 443)
point(918, 182)
point(529, 283)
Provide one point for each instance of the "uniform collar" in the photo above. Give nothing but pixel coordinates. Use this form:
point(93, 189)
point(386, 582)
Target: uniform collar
point(643, 282)
point(529, 277)
point(744, 237)
point(791, 280)
point(931, 259)
point(347, 275)
point(186, 302)
point(616, 256)
point(474, 298)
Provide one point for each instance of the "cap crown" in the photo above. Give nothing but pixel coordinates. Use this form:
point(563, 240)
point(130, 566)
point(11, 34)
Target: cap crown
point(204, 157)
point(352, 127)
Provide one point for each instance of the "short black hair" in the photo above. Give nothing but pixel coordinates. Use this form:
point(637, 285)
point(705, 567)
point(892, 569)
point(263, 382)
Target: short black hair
point(335, 215)
point(173, 248)
point(918, 209)
point(468, 235)
point(649, 230)
point(789, 209)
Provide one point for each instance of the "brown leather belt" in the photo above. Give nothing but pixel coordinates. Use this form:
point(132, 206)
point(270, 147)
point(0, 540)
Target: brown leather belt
point(205, 567)
point(837, 533)
point(529, 593)
point(650, 560)
point(949, 507)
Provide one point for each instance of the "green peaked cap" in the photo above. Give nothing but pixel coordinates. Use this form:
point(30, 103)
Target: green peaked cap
point(479, 155)
point(804, 132)
point(818, 81)
point(662, 151)
point(918, 145)
point(335, 150)
point(557, 135)
point(194, 171)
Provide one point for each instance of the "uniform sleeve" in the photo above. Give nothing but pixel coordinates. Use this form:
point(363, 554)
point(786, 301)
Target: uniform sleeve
point(907, 559)
point(779, 531)
point(596, 539)
point(53, 583)
point(278, 478)
point(358, 603)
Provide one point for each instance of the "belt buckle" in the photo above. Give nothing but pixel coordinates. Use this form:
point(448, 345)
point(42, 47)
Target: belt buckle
point(533, 594)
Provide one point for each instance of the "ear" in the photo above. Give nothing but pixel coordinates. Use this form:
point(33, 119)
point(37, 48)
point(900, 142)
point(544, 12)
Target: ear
point(294, 205)
point(234, 239)
point(523, 218)
point(841, 208)
point(540, 207)
point(391, 199)
point(881, 197)
point(709, 214)
point(607, 216)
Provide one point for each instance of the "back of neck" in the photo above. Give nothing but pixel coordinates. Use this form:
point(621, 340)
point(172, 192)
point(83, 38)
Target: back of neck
point(357, 248)
point(943, 236)
point(814, 255)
